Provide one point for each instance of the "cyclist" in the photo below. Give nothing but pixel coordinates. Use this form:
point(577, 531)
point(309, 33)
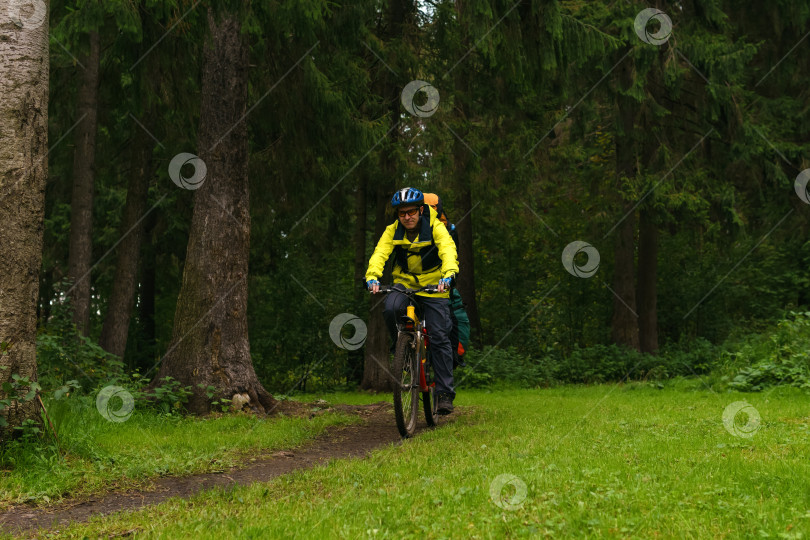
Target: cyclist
point(424, 254)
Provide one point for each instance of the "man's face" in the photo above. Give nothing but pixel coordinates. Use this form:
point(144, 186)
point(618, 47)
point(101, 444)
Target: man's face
point(409, 216)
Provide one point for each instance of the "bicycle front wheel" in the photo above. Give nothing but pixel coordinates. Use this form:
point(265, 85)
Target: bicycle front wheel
point(406, 385)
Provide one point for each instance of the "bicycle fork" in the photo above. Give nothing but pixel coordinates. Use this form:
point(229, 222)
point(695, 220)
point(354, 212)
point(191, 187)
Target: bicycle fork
point(420, 343)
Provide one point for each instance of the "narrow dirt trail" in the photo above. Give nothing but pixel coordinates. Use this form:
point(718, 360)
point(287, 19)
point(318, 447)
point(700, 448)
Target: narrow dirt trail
point(338, 442)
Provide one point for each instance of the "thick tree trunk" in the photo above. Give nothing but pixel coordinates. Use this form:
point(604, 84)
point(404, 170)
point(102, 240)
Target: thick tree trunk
point(23, 171)
point(466, 257)
point(81, 205)
point(647, 282)
point(377, 370)
point(210, 344)
point(356, 357)
point(122, 299)
point(624, 328)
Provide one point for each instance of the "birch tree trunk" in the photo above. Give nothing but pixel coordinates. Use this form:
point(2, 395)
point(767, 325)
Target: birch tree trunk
point(23, 171)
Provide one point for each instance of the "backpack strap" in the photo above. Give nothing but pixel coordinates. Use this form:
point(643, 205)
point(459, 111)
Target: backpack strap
point(428, 253)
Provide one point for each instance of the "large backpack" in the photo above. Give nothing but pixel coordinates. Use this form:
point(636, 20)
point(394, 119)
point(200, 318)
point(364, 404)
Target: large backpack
point(460, 333)
point(433, 200)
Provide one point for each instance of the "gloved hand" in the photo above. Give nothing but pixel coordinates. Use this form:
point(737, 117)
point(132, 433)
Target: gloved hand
point(444, 284)
point(373, 285)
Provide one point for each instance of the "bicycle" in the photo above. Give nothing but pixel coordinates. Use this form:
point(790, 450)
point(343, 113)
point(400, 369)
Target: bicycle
point(412, 368)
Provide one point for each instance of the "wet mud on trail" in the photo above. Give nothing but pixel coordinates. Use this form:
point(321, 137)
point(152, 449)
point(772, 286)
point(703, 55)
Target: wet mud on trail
point(337, 442)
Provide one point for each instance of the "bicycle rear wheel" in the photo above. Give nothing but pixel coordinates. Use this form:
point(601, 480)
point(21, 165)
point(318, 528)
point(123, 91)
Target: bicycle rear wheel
point(406, 385)
point(430, 400)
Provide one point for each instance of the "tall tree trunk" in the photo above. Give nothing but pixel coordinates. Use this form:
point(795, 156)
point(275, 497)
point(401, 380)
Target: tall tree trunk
point(115, 330)
point(122, 299)
point(356, 357)
point(81, 205)
point(210, 344)
point(376, 369)
point(462, 156)
point(466, 253)
point(146, 296)
point(647, 282)
point(23, 171)
point(624, 328)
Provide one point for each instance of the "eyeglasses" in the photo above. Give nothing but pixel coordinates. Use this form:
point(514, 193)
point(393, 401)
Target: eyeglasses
point(410, 213)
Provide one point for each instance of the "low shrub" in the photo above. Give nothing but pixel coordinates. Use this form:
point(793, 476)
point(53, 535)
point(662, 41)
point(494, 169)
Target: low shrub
point(780, 356)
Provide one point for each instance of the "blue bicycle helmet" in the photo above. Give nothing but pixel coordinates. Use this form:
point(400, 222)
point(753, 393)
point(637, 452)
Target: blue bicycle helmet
point(407, 195)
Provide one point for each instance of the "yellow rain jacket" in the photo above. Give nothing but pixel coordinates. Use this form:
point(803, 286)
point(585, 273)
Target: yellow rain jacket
point(426, 260)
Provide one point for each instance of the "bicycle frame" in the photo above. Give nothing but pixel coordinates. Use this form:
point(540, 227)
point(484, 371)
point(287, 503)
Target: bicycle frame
point(412, 325)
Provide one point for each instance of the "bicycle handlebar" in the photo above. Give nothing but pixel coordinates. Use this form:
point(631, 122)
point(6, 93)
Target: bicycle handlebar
point(409, 292)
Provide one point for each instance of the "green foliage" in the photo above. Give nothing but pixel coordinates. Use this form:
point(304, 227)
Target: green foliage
point(64, 354)
point(595, 364)
point(65, 357)
point(16, 389)
point(28, 429)
point(492, 365)
point(601, 363)
point(64, 390)
point(695, 357)
point(779, 356)
point(218, 403)
point(167, 397)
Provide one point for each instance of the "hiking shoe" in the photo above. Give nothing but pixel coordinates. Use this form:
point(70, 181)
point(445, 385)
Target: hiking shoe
point(445, 403)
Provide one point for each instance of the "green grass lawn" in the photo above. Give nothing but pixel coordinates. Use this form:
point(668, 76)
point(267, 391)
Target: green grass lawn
point(104, 456)
point(598, 461)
